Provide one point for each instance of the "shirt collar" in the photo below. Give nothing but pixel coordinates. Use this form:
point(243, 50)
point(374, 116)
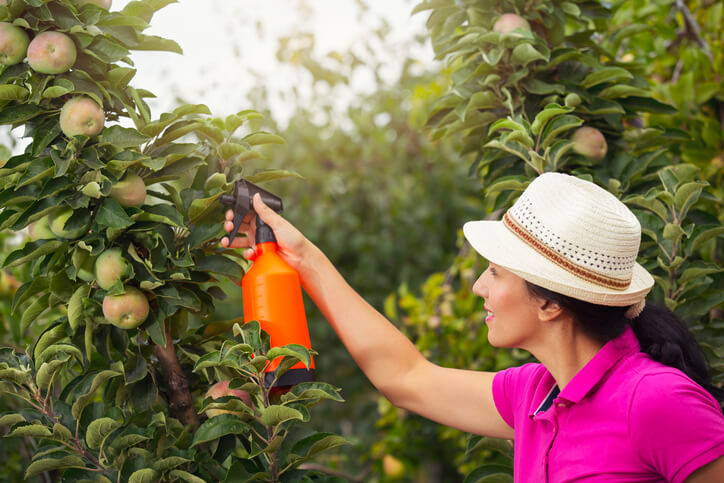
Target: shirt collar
point(592, 373)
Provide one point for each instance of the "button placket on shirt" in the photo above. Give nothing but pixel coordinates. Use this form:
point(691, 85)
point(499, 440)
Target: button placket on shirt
point(556, 415)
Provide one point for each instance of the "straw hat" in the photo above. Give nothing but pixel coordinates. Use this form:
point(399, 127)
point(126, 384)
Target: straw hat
point(572, 237)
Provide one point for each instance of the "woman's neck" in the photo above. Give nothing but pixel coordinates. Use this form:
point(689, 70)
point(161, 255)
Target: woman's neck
point(565, 352)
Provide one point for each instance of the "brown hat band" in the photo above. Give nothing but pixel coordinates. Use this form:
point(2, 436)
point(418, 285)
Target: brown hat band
point(582, 272)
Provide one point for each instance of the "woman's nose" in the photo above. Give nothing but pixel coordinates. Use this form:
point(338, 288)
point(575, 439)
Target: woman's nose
point(479, 287)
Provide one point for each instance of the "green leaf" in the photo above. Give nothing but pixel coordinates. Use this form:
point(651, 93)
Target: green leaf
point(274, 415)
point(651, 204)
point(490, 473)
point(524, 54)
point(48, 370)
point(163, 213)
point(622, 90)
point(11, 92)
point(11, 419)
point(127, 440)
point(61, 432)
point(313, 390)
point(98, 380)
point(686, 195)
point(185, 476)
point(39, 305)
point(152, 42)
point(32, 430)
point(171, 462)
point(558, 126)
point(49, 337)
point(295, 351)
point(146, 475)
point(700, 238)
point(50, 464)
point(19, 114)
point(606, 74)
point(221, 265)
point(75, 306)
point(261, 137)
point(316, 443)
point(550, 111)
point(697, 271)
point(122, 137)
point(112, 215)
point(217, 427)
point(98, 430)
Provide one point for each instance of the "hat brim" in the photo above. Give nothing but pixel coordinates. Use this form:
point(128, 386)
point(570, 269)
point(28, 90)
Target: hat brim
point(495, 242)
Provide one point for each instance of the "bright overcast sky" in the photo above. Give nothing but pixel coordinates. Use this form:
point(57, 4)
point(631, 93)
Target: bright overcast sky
point(223, 40)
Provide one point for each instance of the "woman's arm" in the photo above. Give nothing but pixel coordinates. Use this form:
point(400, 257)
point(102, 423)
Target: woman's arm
point(711, 473)
point(458, 398)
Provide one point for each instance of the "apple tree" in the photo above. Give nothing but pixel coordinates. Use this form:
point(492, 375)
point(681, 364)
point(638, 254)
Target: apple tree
point(109, 368)
point(627, 95)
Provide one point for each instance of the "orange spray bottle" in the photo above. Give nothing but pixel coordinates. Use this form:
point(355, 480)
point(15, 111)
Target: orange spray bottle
point(272, 292)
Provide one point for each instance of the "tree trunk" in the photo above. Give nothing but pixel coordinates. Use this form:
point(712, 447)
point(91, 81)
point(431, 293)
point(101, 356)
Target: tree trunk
point(180, 401)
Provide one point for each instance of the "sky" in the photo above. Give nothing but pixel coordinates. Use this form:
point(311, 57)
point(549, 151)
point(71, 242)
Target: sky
point(230, 46)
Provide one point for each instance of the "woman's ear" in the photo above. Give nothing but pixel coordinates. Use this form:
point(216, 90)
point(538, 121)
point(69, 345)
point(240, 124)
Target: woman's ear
point(548, 310)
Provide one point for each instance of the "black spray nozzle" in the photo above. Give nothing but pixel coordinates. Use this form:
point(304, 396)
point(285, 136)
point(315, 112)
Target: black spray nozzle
point(242, 203)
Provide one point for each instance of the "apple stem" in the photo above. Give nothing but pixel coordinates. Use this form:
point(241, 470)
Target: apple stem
point(180, 401)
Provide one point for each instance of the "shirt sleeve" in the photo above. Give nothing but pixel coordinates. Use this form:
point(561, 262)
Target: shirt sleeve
point(511, 388)
point(676, 424)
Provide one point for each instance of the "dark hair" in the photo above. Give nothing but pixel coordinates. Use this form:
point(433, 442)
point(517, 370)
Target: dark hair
point(661, 334)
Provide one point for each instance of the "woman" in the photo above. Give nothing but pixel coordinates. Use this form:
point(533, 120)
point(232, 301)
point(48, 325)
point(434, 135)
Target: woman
point(562, 283)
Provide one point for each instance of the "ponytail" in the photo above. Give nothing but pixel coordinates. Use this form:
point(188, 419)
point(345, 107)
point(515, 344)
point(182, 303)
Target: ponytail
point(661, 334)
point(665, 337)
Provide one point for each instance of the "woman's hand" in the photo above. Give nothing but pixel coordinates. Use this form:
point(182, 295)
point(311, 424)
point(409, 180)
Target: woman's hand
point(293, 246)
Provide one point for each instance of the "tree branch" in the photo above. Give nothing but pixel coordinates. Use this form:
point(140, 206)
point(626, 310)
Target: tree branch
point(179, 395)
point(692, 28)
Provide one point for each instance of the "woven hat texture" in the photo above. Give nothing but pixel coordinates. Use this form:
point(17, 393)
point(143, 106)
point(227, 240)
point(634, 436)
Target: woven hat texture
point(570, 236)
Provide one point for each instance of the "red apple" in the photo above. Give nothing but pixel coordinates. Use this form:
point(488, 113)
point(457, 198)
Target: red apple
point(81, 115)
point(131, 191)
point(221, 389)
point(589, 142)
point(51, 53)
point(508, 22)
point(126, 311)
point(392, 467)
point(101, 3)
point(13, 44)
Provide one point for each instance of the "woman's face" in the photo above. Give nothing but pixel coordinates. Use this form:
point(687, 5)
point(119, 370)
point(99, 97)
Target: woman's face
point(512, 316)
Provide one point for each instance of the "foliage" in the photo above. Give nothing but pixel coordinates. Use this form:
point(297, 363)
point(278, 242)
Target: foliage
point(517, 97)
point(98, 401)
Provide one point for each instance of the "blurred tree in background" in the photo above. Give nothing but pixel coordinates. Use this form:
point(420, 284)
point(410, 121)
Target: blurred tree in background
point(388, 182)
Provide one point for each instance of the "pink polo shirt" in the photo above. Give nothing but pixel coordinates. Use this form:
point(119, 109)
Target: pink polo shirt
point(623, 417)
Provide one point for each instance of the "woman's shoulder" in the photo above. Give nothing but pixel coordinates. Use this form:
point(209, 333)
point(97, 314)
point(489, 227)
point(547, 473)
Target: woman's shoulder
point(660, 389)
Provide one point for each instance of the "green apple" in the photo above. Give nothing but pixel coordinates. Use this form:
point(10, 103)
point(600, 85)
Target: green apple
point(81, 115)
point(86, 271)
point(40, 230)
point(51, 53)
point(128, 310)
point(131, 191)
point(13, 44)
point(57, 220)
point(110, 268)
point(589, 142)
point(509, 22)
